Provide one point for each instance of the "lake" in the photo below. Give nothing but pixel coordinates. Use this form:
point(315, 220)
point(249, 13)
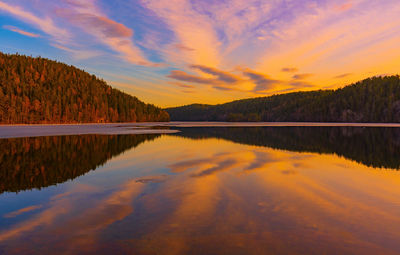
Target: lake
point(204, 190)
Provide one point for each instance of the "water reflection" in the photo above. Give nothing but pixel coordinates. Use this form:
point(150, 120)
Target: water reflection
point(38, 162)
point(376, 147)
point(210, 196)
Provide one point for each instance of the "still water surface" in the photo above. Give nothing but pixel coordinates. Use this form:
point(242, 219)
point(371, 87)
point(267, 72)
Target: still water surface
point(276, 190)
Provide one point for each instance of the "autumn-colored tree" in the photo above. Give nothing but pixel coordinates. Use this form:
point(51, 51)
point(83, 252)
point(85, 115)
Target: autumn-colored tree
point(38, 90)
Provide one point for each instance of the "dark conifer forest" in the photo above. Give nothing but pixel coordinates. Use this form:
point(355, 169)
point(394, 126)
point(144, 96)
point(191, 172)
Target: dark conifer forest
point(38, 90)
point(375, 99)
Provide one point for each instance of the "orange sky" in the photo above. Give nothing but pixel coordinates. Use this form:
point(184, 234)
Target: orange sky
point(175, 52)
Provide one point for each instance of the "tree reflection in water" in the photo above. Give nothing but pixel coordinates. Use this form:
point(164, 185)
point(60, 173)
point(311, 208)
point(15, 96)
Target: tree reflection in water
point(375, 147)
point(38, 162)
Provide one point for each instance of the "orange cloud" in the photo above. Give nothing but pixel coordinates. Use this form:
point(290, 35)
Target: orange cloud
point(289, 69)
point(344, 7)
point(222, 76)
point(302, 76)
point(183, 76)
point(342, 75)
point(262, 81)
point(191, 29)
point(180, 46)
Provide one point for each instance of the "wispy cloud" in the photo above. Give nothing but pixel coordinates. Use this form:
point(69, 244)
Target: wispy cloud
point(343, 75)
point(183, 76)
point(302, 76)
point(113, 34)
point(45, 24)
point(226, 81)
point(78, 53)
point(222, 76)
point(183, 85)
point(191, 29)
point(219, 78)
point(263, 82)
point(345, 6)
point(23, 210)
point(180, 46)
point(20, 31)
point(290, 69)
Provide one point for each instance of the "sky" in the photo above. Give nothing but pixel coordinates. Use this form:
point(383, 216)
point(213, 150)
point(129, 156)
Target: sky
point(178, 52)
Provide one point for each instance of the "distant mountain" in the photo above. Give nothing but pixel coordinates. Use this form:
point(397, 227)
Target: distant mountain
point(372, 100)
point(38, 90)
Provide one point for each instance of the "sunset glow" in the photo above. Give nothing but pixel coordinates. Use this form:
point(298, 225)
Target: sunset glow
point(176, 52)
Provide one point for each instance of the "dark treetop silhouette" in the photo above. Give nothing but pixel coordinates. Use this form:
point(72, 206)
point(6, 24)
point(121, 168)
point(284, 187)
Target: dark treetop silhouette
point(38, 90)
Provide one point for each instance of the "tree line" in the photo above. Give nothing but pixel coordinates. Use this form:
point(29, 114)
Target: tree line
point(375, 99)
point(39, 90)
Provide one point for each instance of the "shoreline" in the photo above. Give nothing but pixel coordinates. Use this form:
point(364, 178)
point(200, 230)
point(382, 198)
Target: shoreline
point(35, 130)
point(213, 124)
point(18, 131)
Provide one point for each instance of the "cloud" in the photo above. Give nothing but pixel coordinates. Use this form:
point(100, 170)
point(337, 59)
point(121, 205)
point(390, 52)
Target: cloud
point(23, 210)
point(224, 165)
point(88, 17)
point(183, 85)
point(302, 76)
point(190, 28)
point(219, 81)
point(260, 161)
point(45, 24)
point(222, 76)
point(224, 88)
point(344, 7)
point(343, 75)
point(262, 81)
point(106, 26)
point(20, 31)
point(111, 33)
point(290, 69)
point(78, 53)
point(183, 76)
point(78, 3)
point(187, 91)
point(184, 165)
point(223, 81)
point(300, 84)
point(180, 46)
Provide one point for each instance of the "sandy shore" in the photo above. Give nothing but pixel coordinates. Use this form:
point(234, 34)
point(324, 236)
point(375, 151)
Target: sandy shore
point(12, 131)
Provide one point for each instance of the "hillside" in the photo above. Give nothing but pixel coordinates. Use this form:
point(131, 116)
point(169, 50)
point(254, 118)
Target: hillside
point(38, 90)
point(372, 100)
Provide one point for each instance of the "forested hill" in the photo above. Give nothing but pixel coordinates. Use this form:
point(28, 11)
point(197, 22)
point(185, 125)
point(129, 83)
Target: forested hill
point(38, 90)
point(372, 100)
